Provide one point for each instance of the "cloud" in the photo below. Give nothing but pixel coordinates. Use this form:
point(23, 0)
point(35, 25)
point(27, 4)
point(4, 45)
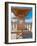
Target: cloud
point(28, 21)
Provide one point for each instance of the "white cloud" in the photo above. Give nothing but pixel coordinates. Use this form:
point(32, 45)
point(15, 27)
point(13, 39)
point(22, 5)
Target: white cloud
point(28, 20)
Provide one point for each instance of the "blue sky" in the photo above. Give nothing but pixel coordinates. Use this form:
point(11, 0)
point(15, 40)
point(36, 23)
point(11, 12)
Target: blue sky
point(29, 17)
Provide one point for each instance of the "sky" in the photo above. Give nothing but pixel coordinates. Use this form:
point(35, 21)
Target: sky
point(29, 17)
